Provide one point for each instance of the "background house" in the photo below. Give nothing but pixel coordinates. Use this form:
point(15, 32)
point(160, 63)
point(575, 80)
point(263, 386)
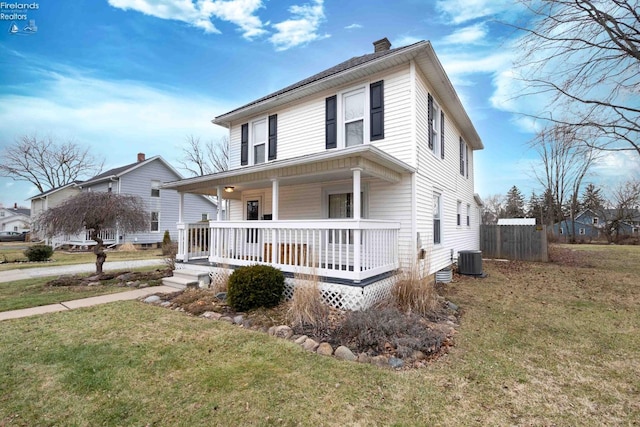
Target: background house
point(144, 178)
point(351, 173)
point(49, 199)
point(15, 219)
point(604, 223)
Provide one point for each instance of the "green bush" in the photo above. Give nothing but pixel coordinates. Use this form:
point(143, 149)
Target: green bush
point(39, 252)
point(255, 286)
point(167, 246)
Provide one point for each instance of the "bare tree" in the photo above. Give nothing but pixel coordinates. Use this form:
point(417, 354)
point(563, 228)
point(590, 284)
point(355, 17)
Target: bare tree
point(204, 158)
point(47, 163)
point(96, 212)
point(492, 209)
point(623, 209)
point(584, 55)
point(565, 160)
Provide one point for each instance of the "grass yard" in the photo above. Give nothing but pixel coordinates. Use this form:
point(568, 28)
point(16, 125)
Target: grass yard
point(11, 252)
point(539, 344)
point(33, 292)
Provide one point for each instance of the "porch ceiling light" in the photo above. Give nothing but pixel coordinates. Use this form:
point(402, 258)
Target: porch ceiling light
point(228, 189)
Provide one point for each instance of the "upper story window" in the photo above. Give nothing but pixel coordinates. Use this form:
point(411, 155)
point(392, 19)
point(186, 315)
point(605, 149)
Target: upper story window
point(595, 220)
point(464, 158)
point(435, 127)
point(2, 214)
point(258, 140)
point(155, 188)
point(355, 116)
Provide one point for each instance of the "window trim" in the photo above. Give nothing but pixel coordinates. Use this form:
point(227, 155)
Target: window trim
point(366, 118)
point(468, 215)
point(582, 231)
point(157, 221)
point(464, 158)
point(344, 189)
point(459, 214)
point(437, 195)
point(435, 131)
point(155, 188)
point(265, 142)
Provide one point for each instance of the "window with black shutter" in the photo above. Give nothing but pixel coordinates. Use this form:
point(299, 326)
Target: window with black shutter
point(441, 134)
point(430, 120)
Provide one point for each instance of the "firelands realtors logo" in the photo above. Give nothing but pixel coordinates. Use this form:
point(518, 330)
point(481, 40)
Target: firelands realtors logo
point(17, 14)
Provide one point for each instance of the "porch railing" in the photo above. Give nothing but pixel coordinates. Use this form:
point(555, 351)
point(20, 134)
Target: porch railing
point(346, 249)
point(84, 239)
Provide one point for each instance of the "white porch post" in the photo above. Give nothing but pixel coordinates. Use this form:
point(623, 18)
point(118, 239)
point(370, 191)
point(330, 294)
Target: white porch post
point(275, 206)
point(357, 215)
point(219, 195)
point(182, 231)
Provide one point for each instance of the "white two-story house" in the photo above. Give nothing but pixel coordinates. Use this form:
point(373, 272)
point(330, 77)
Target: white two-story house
point(351, 174)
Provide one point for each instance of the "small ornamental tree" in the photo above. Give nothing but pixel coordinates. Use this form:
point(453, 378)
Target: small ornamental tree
point(96, 212)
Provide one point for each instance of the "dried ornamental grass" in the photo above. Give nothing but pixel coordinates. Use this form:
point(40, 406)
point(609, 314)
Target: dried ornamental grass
point(414, 290)
point(307, 309)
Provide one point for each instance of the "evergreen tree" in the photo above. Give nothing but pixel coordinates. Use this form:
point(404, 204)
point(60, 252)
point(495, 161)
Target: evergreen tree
point(592, 198)
point(535, 208)
point(515, 204)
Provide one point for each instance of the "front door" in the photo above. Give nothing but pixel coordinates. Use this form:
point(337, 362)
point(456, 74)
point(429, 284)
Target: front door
point(252, 214)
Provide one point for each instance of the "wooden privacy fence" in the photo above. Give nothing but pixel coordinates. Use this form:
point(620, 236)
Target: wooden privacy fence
point(515, 242)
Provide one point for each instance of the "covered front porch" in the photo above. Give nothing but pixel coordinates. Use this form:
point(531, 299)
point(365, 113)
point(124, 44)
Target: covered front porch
point(319, 215)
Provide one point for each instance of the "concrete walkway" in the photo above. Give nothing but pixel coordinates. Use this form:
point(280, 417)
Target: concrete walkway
point(85, 302)
point(30, 273)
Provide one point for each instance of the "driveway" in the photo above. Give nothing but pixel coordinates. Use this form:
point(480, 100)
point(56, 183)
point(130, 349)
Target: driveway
point(30, 273)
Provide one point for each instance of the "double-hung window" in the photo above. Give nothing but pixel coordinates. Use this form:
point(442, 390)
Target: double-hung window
point(435, 123)
point(464, 158)
point(155, 188)
point(468, 215)
point(437, 215)
point(259, 140)
point(353, 117)
point(155, 221)
point(459, 214)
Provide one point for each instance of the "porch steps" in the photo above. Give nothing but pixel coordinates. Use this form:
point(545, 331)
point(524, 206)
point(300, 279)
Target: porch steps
point(185, 278)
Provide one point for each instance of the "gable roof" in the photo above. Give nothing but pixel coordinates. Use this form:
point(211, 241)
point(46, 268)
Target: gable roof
point(123, 170)
point(357, 68)
point(53, 190)
point(18, 211)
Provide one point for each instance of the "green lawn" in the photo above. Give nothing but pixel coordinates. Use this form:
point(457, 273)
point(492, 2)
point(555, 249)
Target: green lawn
point(539, 344)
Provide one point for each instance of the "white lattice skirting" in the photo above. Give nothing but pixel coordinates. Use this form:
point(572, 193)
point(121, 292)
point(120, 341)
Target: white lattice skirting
point(343, 297)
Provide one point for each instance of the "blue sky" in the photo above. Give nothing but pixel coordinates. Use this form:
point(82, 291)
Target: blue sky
point(129, 76)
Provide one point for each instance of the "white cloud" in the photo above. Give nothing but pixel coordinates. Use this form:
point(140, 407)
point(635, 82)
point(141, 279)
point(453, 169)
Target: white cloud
point(116, 118)
point(460, 11)
point(301, 28)
point(468, 35)
point(406, 41)
point(353, 27)
point(201, 13)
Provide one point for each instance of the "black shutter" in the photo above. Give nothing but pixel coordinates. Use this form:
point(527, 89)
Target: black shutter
point(331, 125)
point(430, 121)
point(441, 134)
point(273, 137)
point(244, 144)
point(461, 157)
point(466, 164)
point(377, 110)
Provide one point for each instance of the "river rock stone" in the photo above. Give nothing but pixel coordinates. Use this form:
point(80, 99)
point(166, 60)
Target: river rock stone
point(310, 344)
point(152, 299)
point(283, 331)
point(300, 340)
point(396, 363)
point(362, 357)
point(344, 353)
point(211, 315)
point(380, 360)
point(325, 349)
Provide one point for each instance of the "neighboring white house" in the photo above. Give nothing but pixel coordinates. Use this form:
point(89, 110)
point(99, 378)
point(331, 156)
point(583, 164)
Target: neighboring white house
point(15, 219)
point(142, 178)
point(49, 199)
point(350, 174)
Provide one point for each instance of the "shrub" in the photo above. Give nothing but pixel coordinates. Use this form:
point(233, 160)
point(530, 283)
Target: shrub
point(307, 309)
point(167, 246)
point(39, 252)
point(374, 329)
point(414, 291)
point(255, 286)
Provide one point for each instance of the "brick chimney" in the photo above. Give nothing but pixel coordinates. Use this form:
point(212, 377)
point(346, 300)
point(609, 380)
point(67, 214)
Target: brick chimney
point(15, 206)
point(140, 157)
point(381, 45)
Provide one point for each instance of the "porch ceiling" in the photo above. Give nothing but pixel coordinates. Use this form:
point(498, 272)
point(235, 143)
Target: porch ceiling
point(331, 165)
